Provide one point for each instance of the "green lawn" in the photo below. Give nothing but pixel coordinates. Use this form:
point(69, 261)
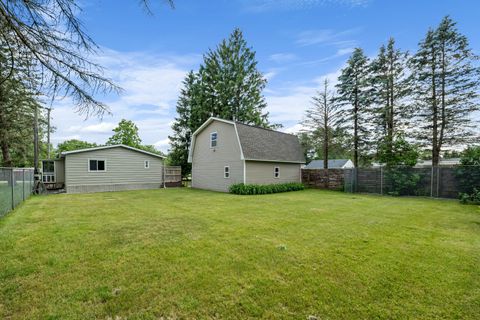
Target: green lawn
point(182, 253)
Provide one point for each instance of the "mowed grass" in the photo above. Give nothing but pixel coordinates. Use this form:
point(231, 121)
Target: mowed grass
point(182, 253)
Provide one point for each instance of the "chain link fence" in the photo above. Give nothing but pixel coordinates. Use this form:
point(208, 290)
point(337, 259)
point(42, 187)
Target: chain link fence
point(437, 182)
point(16, 185)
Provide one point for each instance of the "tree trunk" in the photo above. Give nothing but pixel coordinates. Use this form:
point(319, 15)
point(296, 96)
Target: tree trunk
point(390, 109)
point(443, 107)
point(7, 160)
point(325, 128)
point(435, 151)
point(355, 130)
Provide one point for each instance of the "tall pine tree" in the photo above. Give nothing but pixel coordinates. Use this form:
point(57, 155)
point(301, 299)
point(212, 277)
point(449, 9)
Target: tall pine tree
point(228, 85)
point(354, 94)
point(390, 90)
point(447, 83)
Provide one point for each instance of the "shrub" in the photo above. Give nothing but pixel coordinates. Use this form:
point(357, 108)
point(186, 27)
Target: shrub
point(402, 181)
point(251, 189)
point(472, 198)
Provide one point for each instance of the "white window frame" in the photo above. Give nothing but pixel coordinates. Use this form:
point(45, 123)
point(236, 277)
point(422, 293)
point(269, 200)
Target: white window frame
point(276, 175)
point(88, 165)
point(43, 167)
point(211, 140)
point(226, 172)
point(146, 164)
point(48, 178)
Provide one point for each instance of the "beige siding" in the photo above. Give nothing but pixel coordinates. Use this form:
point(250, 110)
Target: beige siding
point(124, 171)
point(208, 163)
point(60, 171)
point(259, 172)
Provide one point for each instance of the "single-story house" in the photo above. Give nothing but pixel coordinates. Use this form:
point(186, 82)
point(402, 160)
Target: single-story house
point(443, 162)
point(224, 152)
point(106, 168)
point(332, 164)
point(428, 163)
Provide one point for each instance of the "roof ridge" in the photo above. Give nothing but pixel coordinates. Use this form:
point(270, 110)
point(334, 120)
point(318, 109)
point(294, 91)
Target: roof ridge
point(268, 129)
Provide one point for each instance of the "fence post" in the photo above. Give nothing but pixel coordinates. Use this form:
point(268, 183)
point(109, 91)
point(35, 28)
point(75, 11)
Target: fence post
point(381, 180)
point(12, 182)
point(431, 183)
point(438, 181)
point(23, 184)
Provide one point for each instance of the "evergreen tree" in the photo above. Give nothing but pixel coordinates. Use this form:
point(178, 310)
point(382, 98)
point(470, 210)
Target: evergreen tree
point(390, 90)
point(18, 103)
point(227, 85)
point(324, 116)
point(187, 118)
point(446, 85)
point(353, 93)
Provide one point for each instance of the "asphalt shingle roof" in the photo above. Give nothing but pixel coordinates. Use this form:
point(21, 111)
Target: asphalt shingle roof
point(269, 145)
point(334, 163)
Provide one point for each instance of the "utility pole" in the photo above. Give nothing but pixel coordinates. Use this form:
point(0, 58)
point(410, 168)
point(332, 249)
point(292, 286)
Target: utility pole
point(35, 139)
point(48, 132)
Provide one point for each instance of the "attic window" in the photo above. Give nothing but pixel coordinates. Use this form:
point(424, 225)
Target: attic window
point(276, 172)
point(147, 164)
point(213, 140)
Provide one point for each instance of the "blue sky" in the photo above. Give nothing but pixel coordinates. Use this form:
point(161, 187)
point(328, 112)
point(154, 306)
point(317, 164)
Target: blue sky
point(298, 43)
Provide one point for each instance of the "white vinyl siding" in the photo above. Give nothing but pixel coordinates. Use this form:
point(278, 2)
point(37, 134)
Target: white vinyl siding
point(123, 167)
point(262, 172)
point(208, 165)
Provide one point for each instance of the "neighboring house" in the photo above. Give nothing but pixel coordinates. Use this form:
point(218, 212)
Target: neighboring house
point(224, 152)
point(332, 164)
point(428, 163)
point(107, 168)
point(442, 162)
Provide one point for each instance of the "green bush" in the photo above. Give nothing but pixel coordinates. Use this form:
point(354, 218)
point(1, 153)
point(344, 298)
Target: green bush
point(251, 189)
point(402, 181)
point(472, 198)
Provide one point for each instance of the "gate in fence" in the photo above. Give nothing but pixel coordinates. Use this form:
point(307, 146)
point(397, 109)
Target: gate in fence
point(16, 185)
point(438, 182)
point(173, 176)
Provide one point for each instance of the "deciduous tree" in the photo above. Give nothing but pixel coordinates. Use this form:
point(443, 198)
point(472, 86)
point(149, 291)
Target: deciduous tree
point(324, 116)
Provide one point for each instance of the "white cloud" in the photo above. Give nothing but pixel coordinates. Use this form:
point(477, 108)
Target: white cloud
point(296, 128)
point(282, 57)
point(288, 105)
point(102, 127)
point(151, 84)
point(326, 36)
point(267, 5)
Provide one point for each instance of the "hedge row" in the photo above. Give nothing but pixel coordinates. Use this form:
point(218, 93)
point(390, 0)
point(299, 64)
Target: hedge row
point(249, 189)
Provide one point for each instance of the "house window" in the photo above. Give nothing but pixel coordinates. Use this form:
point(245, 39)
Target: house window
point(226, 172)
point(48, 178)
point(213, 139)
point(96, 165)
point(276, 172)
point(48, 166)
point(147, 164)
